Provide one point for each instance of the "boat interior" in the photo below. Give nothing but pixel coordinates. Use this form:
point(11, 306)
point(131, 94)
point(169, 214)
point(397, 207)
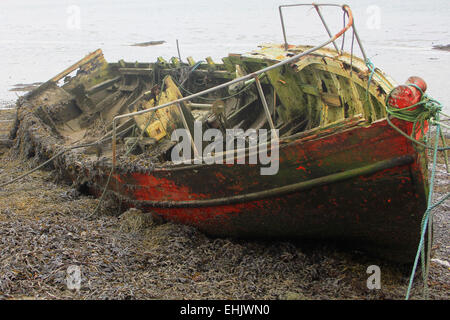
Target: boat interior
point(319, 90)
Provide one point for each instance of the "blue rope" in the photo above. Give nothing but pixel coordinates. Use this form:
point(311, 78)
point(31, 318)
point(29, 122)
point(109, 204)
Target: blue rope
point(196, 66)
point(371, 67)
point(425, 219)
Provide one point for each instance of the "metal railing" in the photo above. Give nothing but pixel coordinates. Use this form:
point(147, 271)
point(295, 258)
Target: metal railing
point(317, 7)
point(253, 75)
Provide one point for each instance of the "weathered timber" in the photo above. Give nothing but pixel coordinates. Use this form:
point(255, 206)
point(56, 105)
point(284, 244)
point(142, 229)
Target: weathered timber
point(75, 66)
point(101, 86)
point(136, 71)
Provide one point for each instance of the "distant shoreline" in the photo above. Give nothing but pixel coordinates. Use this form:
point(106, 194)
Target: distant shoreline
point(442, 47)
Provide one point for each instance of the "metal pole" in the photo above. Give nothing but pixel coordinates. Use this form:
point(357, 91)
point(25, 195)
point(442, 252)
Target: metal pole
point(186, 127)
point(178, 49)
point(266, 107)
point(286, 46)
point(326, 26)
point(359, 43)
point(200, 105)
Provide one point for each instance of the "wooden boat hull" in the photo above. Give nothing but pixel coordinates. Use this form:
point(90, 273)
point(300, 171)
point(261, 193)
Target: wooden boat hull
point(348, 179)
point(363, 184)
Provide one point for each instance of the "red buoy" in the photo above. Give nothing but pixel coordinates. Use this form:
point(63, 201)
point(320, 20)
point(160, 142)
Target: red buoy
point(406, 95)
point(418, 81)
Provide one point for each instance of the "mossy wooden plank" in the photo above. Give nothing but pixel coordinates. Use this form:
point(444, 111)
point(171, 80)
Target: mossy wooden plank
point(318, 106)
point(357, 104)
point(210, 63)
point(285, 82)
point(165, 120)
point(175, 62)
point(191, 61)
point(340, 110)
point(369, 113)
point(344, 73)
point(310, 99)
point(330, 98)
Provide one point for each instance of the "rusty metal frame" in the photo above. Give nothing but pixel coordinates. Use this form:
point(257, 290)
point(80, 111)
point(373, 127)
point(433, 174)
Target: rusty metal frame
point(265, 105)
point(249, 76)
point(317, 7)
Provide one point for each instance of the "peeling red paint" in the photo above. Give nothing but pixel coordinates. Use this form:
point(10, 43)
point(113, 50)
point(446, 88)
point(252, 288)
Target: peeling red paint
point(163, 189)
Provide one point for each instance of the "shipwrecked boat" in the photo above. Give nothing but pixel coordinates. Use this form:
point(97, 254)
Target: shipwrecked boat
point(343, 173)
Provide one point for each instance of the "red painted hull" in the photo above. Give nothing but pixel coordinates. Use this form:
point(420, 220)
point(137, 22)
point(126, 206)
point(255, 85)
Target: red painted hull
point(379, 211)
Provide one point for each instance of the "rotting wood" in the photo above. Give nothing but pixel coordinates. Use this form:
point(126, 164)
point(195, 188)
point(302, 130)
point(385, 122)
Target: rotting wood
point(210, 63)
point(338, 87)
point(75, 66)
point(356, 98)
point(191, 61)
point(101, 86)
point(136, 71)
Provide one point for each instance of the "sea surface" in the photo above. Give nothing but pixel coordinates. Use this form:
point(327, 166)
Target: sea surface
point(40, 38)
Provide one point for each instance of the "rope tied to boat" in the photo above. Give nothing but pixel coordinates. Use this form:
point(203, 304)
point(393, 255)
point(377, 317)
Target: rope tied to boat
point(371, 67)
point(427, 109)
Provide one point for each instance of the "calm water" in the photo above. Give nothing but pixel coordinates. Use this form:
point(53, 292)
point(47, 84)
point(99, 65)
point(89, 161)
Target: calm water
point(39, 38)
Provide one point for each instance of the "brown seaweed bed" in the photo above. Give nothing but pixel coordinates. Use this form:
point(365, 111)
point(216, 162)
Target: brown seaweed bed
point(45, 227)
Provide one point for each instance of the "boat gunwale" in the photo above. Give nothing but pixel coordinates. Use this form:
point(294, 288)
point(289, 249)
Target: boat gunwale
point(284, 142)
